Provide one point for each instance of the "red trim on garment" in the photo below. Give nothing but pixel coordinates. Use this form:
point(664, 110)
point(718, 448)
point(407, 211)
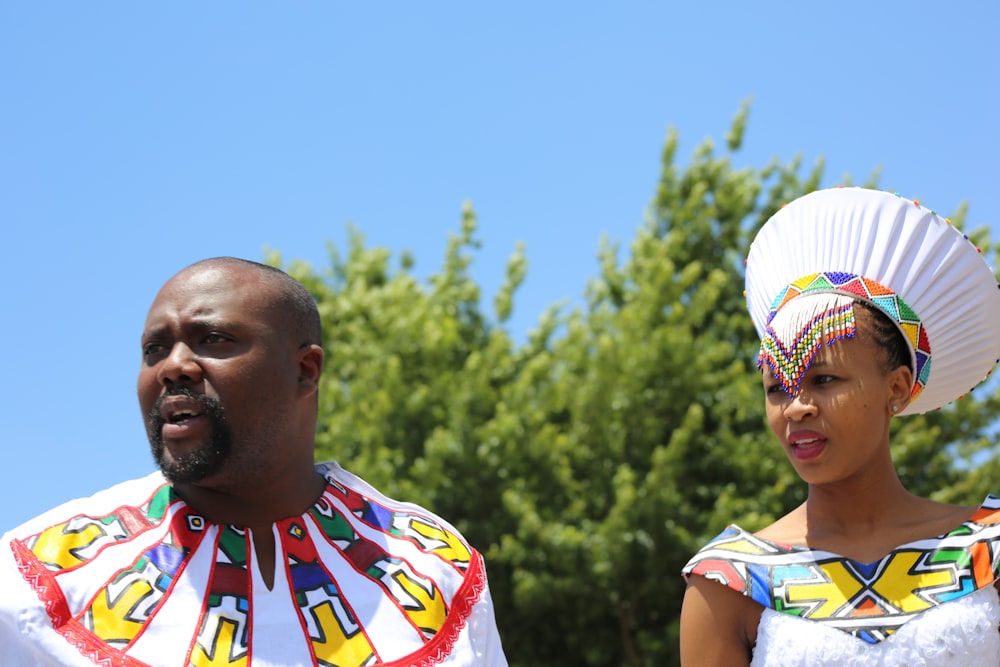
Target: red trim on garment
point(465, 599)
point(204, 602)
point(43, 582)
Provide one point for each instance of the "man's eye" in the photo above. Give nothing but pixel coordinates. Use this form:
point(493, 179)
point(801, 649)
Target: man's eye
point(215, 338)
point(152, 348)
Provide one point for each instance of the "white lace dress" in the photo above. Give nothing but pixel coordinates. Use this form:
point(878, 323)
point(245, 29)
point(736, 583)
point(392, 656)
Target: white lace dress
point(962, 633)
point(927, 603)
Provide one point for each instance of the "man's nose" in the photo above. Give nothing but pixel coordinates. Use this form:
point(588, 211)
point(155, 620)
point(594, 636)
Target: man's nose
point(179, 367)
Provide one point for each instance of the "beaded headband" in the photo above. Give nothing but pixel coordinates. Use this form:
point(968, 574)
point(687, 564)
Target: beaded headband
point(818, 254)
point(792, 341)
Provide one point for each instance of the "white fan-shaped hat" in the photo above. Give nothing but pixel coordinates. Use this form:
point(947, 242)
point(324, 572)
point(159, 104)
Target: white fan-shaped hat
point(898, 255)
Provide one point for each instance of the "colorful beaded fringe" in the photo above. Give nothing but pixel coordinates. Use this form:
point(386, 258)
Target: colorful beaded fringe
point(790, 362)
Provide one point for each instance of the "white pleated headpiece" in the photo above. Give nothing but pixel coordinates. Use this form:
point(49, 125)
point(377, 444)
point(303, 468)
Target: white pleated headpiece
point(820, 252)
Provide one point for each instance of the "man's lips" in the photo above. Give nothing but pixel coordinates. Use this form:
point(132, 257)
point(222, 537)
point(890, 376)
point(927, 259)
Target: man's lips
point(181, 416)
point(178, 408)
point(806, 444)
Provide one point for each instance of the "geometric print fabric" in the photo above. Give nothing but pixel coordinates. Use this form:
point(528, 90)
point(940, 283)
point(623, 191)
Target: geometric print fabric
point(370, 582)
point(867, 600)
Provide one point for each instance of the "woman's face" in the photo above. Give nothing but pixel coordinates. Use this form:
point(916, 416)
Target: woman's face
point(837, 425)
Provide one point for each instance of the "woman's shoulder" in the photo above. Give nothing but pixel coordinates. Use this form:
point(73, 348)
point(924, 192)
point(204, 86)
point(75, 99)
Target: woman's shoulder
point(743, 561)
point(718, 625)
point(734, 543)
point(921, 524)
point(941, 525)
point(789, 530)
point(988, 512)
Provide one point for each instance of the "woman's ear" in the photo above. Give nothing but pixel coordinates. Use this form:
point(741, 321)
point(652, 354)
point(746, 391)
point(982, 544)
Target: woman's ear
point(900, 383)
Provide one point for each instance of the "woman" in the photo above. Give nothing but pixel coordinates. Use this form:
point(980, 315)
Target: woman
point(854, 294)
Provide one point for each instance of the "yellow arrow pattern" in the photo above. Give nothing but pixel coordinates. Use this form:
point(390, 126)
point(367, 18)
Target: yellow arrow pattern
point(839, 588)
point(111, 617)
point(429, 613)
point(336, 646)
point(899, 585)
point(221, 652)
point(452, 549)
point(55, 545)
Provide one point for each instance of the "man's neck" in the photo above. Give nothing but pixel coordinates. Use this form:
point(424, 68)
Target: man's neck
point(254, 503)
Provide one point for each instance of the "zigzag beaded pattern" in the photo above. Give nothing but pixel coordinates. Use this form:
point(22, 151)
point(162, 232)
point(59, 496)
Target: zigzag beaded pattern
point(791, 362)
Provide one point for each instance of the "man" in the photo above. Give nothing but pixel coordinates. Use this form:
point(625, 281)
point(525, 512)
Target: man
point(240, 550)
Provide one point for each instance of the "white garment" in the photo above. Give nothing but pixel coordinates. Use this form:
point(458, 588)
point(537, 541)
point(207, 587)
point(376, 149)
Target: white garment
point(133, 577)
point(961, 633)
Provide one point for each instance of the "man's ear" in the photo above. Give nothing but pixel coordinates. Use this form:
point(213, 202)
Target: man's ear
point(310, 368)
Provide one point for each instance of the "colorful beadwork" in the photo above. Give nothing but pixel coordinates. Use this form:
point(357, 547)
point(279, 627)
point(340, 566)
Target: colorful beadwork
point(789, 361)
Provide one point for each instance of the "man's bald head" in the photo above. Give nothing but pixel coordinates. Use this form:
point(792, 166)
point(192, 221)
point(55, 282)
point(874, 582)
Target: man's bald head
point(230, 375)
point(291, 299)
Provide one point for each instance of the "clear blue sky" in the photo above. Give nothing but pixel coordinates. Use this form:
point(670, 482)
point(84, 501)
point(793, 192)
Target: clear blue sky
point(136, 138)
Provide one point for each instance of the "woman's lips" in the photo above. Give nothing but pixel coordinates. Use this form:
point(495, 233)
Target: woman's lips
point(806, 445)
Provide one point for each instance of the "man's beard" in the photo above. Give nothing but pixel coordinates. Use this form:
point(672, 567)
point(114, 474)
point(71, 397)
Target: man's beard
point(201, 462)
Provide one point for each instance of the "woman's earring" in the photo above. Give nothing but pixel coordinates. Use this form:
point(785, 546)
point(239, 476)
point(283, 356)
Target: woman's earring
point(895, 408)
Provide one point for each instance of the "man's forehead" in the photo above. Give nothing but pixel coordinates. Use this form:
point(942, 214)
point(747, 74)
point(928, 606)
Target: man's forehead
point(207, 288)
point(219, 277)
point(214, 275)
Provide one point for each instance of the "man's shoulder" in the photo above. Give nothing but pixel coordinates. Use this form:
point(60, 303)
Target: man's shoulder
point(398, 512)
point(128, 493)
point(337, 474)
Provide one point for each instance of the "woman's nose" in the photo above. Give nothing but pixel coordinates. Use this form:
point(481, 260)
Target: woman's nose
point(799, 407)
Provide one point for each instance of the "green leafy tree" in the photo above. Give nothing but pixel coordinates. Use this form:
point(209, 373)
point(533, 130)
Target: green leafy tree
point(590, 461)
